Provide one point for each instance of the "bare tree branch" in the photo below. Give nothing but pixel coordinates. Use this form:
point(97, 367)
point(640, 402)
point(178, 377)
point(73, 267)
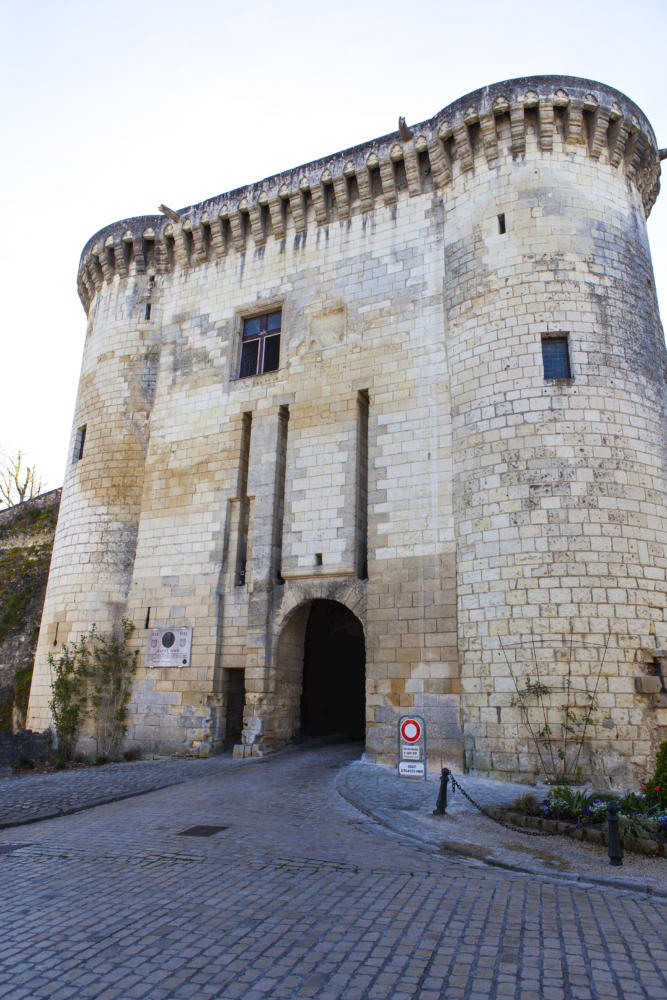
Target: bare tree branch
point(18, 481)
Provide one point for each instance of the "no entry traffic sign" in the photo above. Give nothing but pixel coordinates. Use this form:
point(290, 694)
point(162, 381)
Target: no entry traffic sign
point(411, 746)
point(411, 730)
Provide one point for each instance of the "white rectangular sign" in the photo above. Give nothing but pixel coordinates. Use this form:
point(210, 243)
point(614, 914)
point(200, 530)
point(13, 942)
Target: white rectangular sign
point(411, 768)
point(410, 753)
point(169, 647)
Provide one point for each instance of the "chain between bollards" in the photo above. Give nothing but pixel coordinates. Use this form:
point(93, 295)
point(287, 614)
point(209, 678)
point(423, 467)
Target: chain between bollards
point(615, 850)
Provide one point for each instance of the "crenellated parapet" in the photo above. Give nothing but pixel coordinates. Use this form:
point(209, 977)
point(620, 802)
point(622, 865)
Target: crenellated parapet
point(476, 132)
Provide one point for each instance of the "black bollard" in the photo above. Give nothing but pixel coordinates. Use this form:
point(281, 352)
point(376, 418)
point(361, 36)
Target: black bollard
point(615, 850)
point(441, 804)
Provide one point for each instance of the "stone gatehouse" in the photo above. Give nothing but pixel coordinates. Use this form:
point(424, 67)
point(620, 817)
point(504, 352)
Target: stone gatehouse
point(383, 435)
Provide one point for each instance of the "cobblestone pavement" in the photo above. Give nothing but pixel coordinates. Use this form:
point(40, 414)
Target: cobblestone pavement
point(299, 896)
point(406, 807)
point(29, 797)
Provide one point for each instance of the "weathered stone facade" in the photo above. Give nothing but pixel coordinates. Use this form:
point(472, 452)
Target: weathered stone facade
point(26, 538)
point(407, 459)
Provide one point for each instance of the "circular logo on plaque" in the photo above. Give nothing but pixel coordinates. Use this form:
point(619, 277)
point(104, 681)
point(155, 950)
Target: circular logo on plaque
point(168, 640)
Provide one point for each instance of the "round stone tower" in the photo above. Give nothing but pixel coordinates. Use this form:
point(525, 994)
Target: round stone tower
point(94, 549)
point(558, 379)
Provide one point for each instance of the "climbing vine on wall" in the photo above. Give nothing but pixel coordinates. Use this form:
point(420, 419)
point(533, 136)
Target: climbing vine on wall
point(92, 678)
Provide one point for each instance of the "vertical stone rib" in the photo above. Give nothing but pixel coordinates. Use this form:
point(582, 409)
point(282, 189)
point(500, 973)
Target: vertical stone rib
point(217, 238)
point(487, 125)
point(236, 226)
point(256, 226)
point(463, 147)
point(633, 154)
point(241, 554)
point(103, 261)
point(575, 124)
point(139, 257)
point(161, 256)
point(364, 185)
point(121, 261)
point(180, 246)
point(618, 138)
point(546, 113)
point(361, 493)
point(411, 161)
point(388, 182)
point(199, 245)
point(87, 286)
point(95, 271)
point(518, 128)
point(279, 494)
point(297, 209)
point(342, 197)
point(277, 219)
point(600, 128)
point(319, 203)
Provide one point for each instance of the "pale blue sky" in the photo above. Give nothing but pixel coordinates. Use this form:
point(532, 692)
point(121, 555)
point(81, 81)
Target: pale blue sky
point(108, 110)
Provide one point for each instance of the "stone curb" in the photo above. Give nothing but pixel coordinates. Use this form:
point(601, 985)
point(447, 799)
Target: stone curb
point(391, 821)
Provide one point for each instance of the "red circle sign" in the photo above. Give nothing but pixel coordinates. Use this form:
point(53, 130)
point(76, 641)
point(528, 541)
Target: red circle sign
point(411, 730)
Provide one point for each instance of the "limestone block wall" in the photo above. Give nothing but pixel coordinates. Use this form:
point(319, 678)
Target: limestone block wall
point(94, 547)
point(407, 458)
point(280, 465)
point(559, 484)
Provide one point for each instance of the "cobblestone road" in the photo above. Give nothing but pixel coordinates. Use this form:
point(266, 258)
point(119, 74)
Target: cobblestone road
point(301, 896)
point(41, 796)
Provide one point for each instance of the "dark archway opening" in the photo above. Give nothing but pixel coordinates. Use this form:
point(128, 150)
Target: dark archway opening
point(334, 675)
point(234, 688)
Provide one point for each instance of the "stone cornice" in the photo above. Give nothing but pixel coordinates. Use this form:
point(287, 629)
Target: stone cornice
point(585, 114)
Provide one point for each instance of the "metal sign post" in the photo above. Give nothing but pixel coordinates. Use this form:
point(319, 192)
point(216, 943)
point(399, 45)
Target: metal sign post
point(411, 739)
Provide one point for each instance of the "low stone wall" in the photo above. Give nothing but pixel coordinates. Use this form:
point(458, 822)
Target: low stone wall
point(590, 834)
point(26, 540)
point(25, 745)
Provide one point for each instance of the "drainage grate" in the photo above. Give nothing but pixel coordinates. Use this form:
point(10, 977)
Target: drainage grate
point(202, 831)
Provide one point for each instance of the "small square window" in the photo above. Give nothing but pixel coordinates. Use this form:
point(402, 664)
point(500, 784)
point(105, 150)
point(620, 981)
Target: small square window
point(79, 442)
point(556, 357)
point(260, 346)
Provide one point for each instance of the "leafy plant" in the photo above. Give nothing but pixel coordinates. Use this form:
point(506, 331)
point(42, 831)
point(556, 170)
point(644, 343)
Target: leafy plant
point(568, 803)
point(656, 789)
point(68, 695)
point(110, 682)
point(637, 816)
point(93, 676)
point(558, 744)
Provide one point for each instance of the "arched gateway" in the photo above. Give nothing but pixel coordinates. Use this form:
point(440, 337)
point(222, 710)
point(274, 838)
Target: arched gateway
point(320, 673)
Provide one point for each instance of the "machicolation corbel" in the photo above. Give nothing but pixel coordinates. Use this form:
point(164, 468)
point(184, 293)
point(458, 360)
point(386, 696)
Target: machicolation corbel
point(478, 129)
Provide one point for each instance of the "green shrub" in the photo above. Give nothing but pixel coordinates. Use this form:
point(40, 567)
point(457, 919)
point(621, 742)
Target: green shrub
point(110, 680)
point(93, 676)
point(565, 802)
point(655, 790)
point(68, 696)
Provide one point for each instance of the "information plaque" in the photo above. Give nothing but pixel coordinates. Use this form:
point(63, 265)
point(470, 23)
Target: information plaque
point(169, 647)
